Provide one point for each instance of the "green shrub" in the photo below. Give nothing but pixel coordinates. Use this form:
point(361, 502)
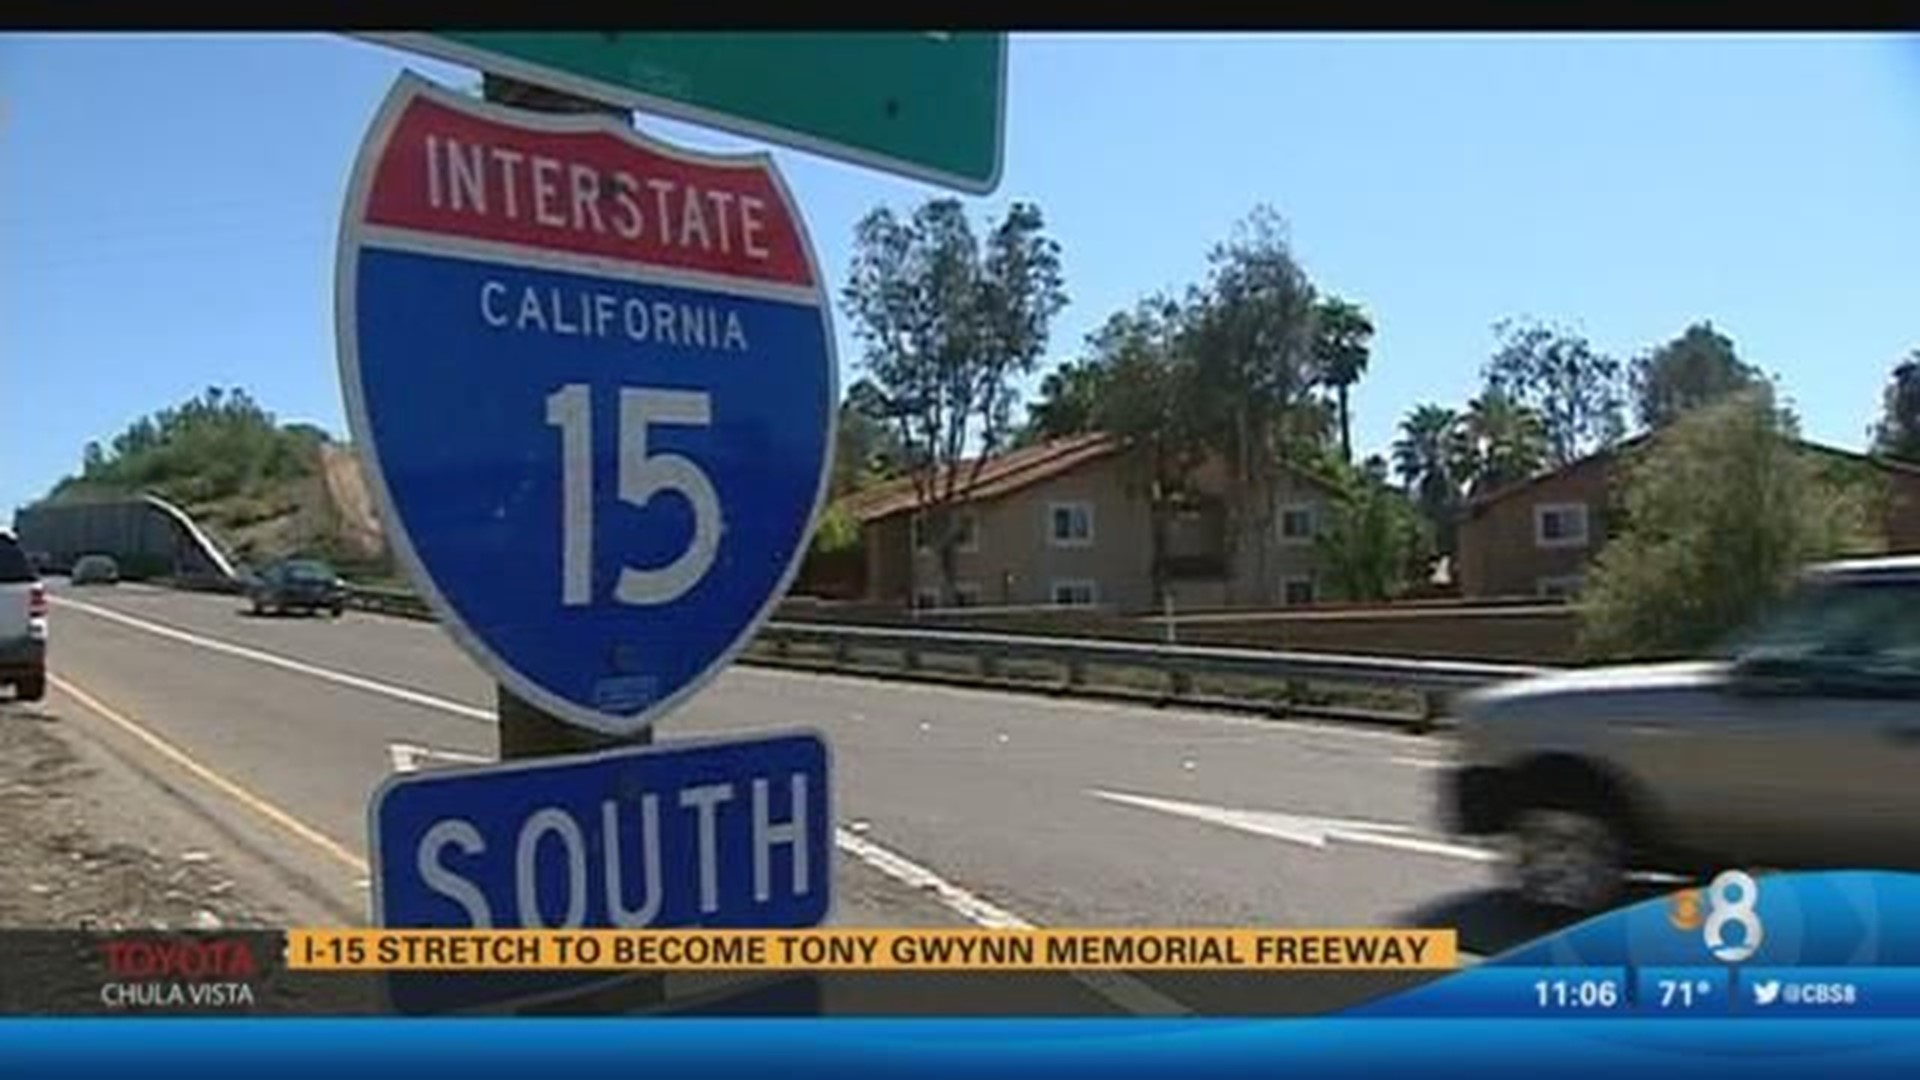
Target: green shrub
point(1375, 543)
point(1712, 521)
point(838, 531)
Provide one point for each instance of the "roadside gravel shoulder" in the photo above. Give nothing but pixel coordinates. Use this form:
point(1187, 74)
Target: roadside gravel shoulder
point(89, 839)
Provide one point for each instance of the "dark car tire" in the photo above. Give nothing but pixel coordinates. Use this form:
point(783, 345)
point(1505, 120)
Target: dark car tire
point(31, 688)
point(1569, 847)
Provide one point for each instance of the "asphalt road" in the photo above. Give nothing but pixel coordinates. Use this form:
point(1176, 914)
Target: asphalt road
point(955, 807)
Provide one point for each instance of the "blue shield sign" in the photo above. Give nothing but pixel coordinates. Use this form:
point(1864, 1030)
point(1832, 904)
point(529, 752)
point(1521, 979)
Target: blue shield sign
point(733, 834)
point(711, 834)
point(592, 380)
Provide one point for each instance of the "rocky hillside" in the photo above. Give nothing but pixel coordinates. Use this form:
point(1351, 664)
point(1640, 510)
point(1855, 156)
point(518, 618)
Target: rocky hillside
point(327, 512)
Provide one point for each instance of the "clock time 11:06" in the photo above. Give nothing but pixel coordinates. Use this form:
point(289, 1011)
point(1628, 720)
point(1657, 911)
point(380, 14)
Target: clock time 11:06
point(1576, 994)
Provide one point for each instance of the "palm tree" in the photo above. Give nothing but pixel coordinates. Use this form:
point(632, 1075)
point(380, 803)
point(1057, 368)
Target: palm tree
point(1424, 454)
point(1341, 347)
point(1069, 396)
point(1499, 441)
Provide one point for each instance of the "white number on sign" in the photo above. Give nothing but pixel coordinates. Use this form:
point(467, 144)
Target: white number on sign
point(571, 410)
point(642, 476)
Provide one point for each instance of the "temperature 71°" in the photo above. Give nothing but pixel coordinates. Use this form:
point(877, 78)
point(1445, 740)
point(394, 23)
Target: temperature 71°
point(1682, 993)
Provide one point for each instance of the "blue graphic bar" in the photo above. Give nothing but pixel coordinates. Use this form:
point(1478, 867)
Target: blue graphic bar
point(1833, 992)
point(1683, 991)
point(1492, 991)
point(1120, 1049)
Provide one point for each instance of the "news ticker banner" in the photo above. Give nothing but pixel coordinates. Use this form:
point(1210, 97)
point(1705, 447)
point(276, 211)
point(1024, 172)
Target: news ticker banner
point(1814, 946)
point(923, 950)
point(882, 973)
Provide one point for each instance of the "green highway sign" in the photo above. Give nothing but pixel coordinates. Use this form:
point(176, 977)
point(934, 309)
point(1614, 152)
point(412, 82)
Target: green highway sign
point(922, 104)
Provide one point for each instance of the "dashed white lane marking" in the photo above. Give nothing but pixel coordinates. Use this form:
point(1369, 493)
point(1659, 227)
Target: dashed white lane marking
point(1306, 830)
point(406, 757)
point(1122, 990)
point(975, 909)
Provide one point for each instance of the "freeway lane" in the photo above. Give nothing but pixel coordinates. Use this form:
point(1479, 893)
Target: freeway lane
point(1048, 811)
point(298, 741)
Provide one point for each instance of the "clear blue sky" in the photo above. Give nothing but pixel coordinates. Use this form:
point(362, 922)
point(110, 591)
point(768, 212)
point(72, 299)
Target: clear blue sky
point(168, 204)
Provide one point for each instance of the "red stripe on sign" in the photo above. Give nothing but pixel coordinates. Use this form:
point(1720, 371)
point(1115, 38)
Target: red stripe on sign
point(446, 172)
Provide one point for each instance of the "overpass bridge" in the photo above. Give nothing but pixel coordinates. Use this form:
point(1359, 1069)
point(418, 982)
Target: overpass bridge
point(147, 535)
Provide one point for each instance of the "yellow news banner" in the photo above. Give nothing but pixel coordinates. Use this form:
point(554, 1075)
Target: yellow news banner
point(872, 950)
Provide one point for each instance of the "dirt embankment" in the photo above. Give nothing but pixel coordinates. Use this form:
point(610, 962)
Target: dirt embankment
point(352, 504)
point(328, 513)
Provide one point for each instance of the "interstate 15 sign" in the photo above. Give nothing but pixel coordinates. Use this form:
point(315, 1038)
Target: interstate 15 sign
point(592, 379)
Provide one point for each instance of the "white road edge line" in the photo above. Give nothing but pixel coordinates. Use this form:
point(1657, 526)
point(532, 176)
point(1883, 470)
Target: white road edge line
point(1123, 990)
point(1334, 730)
point(287, 663)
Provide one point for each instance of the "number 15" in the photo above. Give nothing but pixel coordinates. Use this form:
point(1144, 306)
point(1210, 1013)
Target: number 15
point(642, 476)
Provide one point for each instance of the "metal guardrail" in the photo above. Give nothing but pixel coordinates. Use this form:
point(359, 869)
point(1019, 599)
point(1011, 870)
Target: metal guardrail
point(400, 602)
point(1178, 668)
point(1431, 683)
point(1395, 672)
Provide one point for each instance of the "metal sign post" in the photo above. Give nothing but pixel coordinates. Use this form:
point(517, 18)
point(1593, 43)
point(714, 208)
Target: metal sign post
point(525, 731)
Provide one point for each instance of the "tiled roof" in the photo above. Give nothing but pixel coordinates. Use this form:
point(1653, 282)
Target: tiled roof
point(1016, 470)
point(1506, 491)
point(999, 476)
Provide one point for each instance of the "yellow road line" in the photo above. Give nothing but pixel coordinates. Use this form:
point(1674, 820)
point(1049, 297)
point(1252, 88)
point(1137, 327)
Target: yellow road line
point(338, 851)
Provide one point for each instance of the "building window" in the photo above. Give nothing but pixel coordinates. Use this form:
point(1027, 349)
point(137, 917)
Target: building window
point(1070, 524)
point(1297, 591)
point(1559, 525)
point(1297, 523)
point(1075, 592)
point(966, 594)
point(1563, 587)
point(925, 599)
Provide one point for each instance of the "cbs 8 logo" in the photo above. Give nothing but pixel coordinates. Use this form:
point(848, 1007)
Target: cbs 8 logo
point(1730, 902)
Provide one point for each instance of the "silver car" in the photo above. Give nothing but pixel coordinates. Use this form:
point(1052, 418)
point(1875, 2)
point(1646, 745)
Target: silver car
point(95, 570)
point(23, 623)
point(1798, 747)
